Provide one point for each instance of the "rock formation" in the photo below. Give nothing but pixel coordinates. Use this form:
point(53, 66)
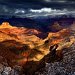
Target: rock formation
point(55, 27)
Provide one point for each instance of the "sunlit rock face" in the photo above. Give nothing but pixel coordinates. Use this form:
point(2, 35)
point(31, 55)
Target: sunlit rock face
point(21, 46)
point(6, 25)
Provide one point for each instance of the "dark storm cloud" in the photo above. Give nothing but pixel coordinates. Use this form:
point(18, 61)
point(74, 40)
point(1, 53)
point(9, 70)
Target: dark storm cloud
point(22, 1)
point(39, 3)
point(36, 8)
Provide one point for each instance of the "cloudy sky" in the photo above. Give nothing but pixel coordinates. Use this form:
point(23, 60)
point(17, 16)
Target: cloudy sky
point(35, 8)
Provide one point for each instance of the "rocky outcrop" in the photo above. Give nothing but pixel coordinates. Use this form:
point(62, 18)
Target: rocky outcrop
point(64, 67)
point(55, 27)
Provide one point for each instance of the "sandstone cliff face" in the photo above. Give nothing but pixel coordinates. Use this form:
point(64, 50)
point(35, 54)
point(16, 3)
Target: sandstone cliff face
point(20, 46)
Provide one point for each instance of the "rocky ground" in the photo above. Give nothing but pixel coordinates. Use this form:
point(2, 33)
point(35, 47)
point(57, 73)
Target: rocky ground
point(5, 69)
point(64, 67)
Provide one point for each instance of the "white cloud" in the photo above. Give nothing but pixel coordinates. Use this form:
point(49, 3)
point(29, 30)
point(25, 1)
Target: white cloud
point(47, 10)
point(19, 11)
point(61, 1)
point(47, 0)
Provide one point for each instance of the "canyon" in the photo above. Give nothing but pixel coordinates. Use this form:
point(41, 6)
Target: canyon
point(23, 46)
